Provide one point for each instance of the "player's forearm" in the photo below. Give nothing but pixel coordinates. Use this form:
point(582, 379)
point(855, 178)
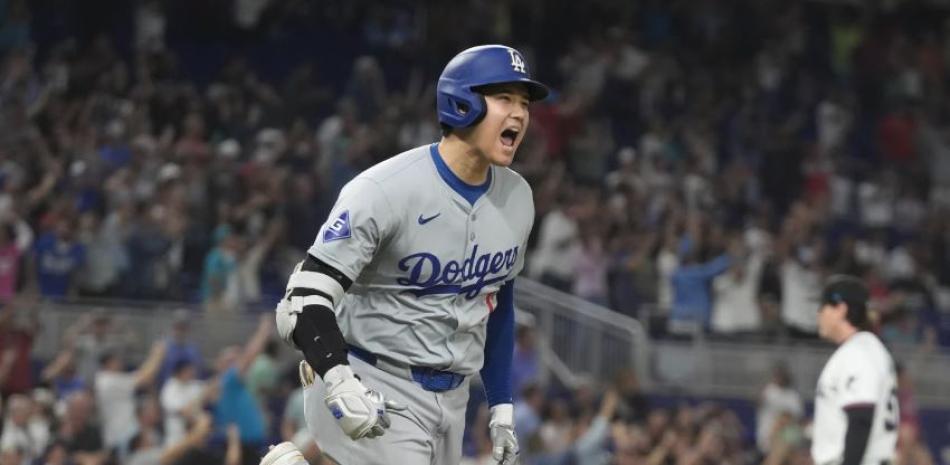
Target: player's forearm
point(596, 434)
point(287, 430)
point(860, 420)
point(149, 369)
point(24, 235)
point(319, 338)
point(57, 367)
point(317, 288)
point(256, 345)
point(233, 454)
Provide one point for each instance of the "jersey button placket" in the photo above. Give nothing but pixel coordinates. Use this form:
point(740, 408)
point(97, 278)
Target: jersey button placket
point(471, 228)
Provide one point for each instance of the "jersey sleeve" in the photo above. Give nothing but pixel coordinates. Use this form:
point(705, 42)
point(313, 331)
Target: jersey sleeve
point(357, 224)
point(859, 381)
point(499, 348)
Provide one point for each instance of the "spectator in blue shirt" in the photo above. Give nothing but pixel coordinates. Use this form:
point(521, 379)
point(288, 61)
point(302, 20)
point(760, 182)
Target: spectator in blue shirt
point(235, 404)
point(692, 296)
point(57, 257)
point(179, 347)
point(525, 365)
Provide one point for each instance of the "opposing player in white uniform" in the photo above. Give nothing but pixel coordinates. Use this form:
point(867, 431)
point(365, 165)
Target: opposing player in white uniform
point(407, 291)
point(856, 412)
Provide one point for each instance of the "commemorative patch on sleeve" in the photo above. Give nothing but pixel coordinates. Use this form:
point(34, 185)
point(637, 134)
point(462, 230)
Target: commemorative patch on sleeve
point(338, 228)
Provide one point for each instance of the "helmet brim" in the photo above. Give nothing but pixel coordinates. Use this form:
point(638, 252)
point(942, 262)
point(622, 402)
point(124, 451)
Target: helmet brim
point(536, 90)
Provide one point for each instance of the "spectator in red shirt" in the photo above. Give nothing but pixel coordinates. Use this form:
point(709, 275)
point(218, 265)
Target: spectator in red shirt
point(897, 133)
point(16, 345)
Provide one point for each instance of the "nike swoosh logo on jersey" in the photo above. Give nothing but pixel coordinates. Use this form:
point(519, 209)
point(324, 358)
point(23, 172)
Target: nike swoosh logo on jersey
point(423, 220)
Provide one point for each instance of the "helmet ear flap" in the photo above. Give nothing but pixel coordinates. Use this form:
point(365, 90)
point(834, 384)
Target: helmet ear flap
point(464, 112)
point(481, 108)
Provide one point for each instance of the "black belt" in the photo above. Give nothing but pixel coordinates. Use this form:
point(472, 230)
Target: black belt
point(429, 378)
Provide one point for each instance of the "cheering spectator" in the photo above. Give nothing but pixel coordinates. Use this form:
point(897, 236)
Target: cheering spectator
point(180, 349)
point(58, 257)
point(590, 266)
point(293, 428)
point(115, 392)
point(78, 430)
point(219, 281)
point(235, 404)
point(16, 236)
point(194, 448)
point(94, 335)
point(21, 431)
point(19, 325)
point(910, 450)
point(262, 376)
point(525, 362)
point(182, 396)
point(692, 302)
point(553, 258)
point(633, 406)
point(778, 397)
point(736, 294)
point(527, 411)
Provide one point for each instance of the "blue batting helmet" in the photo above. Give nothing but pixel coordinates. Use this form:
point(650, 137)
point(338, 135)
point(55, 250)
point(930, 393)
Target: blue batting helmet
point(457, 99)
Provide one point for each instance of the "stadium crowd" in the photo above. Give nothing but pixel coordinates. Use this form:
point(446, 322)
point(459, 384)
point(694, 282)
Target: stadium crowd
point(681, 173)
point(703, 165)
point(93, 404)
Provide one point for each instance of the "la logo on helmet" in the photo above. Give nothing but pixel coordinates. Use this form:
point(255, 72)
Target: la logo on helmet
point(517, 63)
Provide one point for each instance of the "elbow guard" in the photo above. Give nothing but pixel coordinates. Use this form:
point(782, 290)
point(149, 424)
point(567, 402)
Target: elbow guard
point(305, 317)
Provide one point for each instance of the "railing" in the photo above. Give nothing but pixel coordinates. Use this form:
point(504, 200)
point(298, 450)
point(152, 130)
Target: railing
point(718, 365)
point(741, 369)
point(139, 323)
point(577, 340)
point(589, 340)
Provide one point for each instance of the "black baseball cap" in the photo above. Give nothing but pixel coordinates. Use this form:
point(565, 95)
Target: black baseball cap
point(848, 290)
point(845, 289)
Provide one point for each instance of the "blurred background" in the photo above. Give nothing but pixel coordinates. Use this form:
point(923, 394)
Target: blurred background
point(701, 168)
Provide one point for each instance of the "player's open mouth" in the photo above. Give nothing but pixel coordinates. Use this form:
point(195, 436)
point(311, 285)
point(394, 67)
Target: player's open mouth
point(509, 136)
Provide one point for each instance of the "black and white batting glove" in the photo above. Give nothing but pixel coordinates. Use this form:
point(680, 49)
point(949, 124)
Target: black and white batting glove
point(504, 443)
point(360, 412)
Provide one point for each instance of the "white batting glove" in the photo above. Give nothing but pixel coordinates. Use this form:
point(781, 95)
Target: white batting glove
point(285, 453)
point(359, 411)
point(504, 443)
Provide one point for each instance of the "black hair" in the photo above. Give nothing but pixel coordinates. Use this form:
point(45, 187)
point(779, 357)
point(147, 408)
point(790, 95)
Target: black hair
point(107, 356)
point(858, 315)
point(181, 365)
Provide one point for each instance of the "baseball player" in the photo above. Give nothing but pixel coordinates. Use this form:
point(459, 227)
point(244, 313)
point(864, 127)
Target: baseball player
point(856, 414)
point(407, 291)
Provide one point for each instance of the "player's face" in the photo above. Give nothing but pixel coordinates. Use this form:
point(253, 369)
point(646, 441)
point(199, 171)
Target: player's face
point(499, 134)
point(829, 316)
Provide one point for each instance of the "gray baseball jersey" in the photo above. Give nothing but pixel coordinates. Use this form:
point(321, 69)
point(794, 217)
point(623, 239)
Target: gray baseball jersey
point(425, 263)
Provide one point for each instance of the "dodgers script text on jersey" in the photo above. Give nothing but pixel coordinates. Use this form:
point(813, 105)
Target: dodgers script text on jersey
point(427, 274)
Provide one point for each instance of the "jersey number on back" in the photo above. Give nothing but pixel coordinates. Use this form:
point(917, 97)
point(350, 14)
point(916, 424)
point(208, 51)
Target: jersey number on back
point(890, 421)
